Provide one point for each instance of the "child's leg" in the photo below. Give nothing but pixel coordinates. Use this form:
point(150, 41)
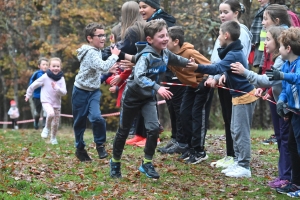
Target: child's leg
point(37, 111)
point(55, 123)
point(296, 129)
point(50, 114)
point(295, 157)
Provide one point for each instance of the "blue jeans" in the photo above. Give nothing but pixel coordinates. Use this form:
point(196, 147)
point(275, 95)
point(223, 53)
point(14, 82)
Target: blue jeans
point(87, 104)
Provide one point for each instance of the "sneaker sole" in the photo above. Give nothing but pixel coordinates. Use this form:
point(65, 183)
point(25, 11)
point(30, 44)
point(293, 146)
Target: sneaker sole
point(244, 176)
point(144, 172)
point(200, 160)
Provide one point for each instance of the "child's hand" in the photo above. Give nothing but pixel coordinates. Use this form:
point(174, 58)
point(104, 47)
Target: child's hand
point(267, 96)
point(126, 64)
point(53, 84)
point(116, 80)
point(164, 92)
point(210, 82)
point(237, 68)
point(115, 50)
point(113, 89)
point(222, 80)
point(191, 66)
point(26, 98)
point(258, 92)
point(113, 68)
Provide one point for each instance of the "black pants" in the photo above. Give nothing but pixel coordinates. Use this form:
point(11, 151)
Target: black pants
point(295, 157)
point(14, 123)
point(131, 106)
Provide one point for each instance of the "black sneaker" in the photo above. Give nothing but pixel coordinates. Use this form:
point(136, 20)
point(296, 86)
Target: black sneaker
point(185, 155)
point(196, 157)
point(115, 169)
point(288, 188)
point(176, 148)
point(82, 155)
point(168, 145)
point(149, 170)
point(271, 140)
point(101, 151)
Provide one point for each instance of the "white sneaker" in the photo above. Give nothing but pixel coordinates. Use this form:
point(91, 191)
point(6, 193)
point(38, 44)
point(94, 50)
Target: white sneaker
point(239, 172)
point(230, 168)
point(54, 141)
point(224, 162)
point(45, 133)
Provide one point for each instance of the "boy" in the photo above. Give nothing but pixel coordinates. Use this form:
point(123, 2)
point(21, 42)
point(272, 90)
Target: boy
point(140, 95)
point(289, 97)
point(86, 92)
point(243, 104)
point(194, 109)
point(43, 65)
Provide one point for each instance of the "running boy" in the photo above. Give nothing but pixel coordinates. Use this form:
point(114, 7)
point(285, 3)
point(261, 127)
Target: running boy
point(86, 91)
point(139, 95)
point(243, 104)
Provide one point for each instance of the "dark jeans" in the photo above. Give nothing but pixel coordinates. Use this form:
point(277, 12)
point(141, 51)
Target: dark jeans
point(14, 122)
point(131, 106)
point(226, 106)
point(294, 144)
point(86, 104)
point(195, 108)
point(38, 109)
point(281, 129)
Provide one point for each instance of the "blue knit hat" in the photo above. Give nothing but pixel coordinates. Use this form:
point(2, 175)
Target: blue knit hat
point(153, 3)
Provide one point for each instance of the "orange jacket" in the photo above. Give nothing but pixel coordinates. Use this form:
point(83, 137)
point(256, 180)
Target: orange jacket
point(189, 77)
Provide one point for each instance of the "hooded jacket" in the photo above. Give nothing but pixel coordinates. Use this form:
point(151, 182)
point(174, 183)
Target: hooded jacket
point(37, 91)
point(91, 67)
point(188, 77)
point(161, 14)
point(144, 79)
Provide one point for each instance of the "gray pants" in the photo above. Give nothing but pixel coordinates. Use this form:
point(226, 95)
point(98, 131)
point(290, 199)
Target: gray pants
point(241, 121)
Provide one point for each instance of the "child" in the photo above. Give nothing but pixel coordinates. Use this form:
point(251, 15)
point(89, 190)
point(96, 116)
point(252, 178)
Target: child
point(14, 114)
point(86, 92)
point(194, 110)
point(140, 95)
point(289, 97)
point(243, 104)
point(53, 87)
point(43, 65)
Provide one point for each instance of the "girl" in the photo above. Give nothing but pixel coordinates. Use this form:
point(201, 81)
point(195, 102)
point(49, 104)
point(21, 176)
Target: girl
point(53, 87)
point(229, 10)
point(14, 114)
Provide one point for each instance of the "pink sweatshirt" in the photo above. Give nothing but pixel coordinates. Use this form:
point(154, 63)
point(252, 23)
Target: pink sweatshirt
point(48, 94)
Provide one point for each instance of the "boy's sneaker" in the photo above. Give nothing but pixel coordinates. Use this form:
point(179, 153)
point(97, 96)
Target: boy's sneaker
point(288, 188)
point(229, 168)
point(149, 170)
point(185, 155)
point(197, 157)
point(82, 155)
point(239, 172)
point(134, 140)
point(224, 162)
point(115, 169)
point(168, 145)
point(279, 183)
point(101, 151)
point(176, 148)
point(45, 133)
point(294, 194)
point(53, 141)
point(271, 140)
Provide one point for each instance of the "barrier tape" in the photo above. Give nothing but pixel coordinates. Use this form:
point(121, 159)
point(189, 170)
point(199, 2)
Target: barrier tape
point(71, 116)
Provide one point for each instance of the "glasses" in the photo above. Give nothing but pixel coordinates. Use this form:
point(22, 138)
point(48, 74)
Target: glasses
point(100, 36)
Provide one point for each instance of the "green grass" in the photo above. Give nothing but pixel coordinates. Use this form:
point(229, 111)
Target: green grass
point(32, 168)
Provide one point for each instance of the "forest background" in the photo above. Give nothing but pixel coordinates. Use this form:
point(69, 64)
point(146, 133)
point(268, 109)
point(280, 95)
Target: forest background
point(31, 29)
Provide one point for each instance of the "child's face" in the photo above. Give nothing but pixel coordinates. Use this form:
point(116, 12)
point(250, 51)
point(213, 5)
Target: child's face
point(263, 2)
point(160, 40)
point(226, 14)
point(267, 21)
point(222, 38)
point(171, 45)
point(44, 65)
point(283, 52)
point(55, 67)
point(98, 39)
point(146, 10)
point(270, 43)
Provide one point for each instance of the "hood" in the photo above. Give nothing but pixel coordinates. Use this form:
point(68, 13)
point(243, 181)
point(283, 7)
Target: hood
point(184, 47)
point(144, 47)
point(161, 14)
point(247, 30)
point(83, 50)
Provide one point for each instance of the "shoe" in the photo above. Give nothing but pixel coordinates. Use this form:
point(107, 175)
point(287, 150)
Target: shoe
point(149, 170)
point(185, 155)
point(82, 155)
point(271, 140)
point(115, 169)
point(134, 140)
point(36, 126)
point(294, 194)
point(279, 183)
point(224, 162)
point(16, 127)
point(239, 172)
point(273, 181)
point(229, 168)
point(288, 188)
point(143, 142)
point(168, 145)
point(101, 151)
point(54, 141)
point(176, 148)
point(45, 133)
point(197, 157)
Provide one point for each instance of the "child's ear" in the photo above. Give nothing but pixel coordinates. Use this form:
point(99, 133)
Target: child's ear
point(226, 35)
point(277, 21)
point(176, 42)
point(149, 39)
point(89, 38)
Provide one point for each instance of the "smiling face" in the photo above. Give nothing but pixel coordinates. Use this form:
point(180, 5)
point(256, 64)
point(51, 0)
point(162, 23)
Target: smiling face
point(55, 66)
point(226, 14)
point(160, 40)
point(270, 43)
point(95, 41)
point(146, 11)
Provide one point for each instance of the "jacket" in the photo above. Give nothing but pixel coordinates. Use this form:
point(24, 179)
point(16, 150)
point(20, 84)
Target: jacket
point(188, 77)
point(144, 81)
point(13, 112)
point(36, 75)
point(161, 14)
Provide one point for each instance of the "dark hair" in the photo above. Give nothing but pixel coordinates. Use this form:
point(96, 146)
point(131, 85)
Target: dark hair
point(176, 32)
point(41, 59)
point(278, 11)
point(231, 27)
point(280, 2)
point(275, 33)
point(90, 29)
point(291, 37)
point(235, 6)
point(154, 26)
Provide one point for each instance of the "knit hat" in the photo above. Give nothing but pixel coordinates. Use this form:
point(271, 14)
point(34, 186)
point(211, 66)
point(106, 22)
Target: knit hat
point(13, 103)
point(153, 3)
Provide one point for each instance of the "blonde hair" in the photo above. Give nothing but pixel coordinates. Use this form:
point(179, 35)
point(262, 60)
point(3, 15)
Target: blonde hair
point(55, 59)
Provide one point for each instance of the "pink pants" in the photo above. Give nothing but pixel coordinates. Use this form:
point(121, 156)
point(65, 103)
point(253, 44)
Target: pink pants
point(52, 120)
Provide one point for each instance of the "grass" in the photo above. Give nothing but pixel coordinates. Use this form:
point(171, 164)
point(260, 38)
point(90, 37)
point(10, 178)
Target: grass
point(32, 168)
